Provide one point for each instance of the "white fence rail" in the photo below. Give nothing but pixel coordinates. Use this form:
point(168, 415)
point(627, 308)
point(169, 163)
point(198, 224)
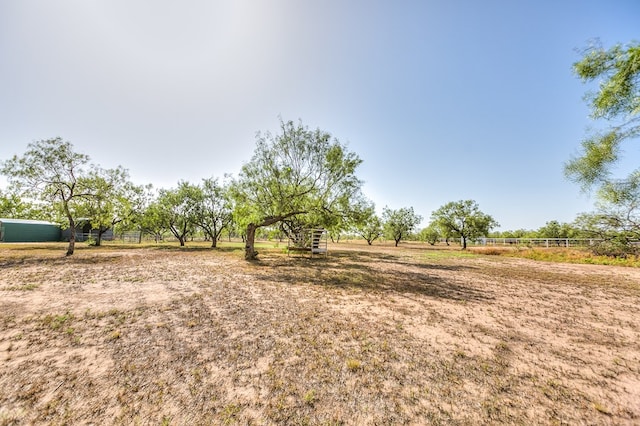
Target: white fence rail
point(93, 235)
point(136, 237)
point(539, 242)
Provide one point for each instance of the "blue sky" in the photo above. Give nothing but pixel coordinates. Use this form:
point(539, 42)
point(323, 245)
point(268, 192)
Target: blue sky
point(443, 100)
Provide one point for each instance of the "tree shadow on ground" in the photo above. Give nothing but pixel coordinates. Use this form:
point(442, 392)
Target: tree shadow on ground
point(396, 259)
point(35, 246)
point(42, 260)
point(191, 248)
point(376, 273)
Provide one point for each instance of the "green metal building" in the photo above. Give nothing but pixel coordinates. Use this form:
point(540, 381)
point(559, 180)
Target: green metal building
point(27, 231)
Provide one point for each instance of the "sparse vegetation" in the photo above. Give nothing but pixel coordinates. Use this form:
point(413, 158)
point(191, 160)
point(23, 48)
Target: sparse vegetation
point(353, 364)
point(369, 335)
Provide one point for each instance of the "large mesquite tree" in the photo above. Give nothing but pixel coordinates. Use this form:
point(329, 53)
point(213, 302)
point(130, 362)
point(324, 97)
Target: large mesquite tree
point(177, 208)
point(298, 173)
point(463, 219)
point(398, 224)
point(52, 171)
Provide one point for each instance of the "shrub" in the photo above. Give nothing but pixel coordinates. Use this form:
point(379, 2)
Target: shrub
point(615, 248)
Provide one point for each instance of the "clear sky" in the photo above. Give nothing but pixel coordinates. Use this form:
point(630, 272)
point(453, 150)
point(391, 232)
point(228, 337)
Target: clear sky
point(443, 100)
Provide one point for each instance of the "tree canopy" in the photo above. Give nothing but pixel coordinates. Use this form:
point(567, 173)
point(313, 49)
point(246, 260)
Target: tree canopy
point(430, 234)
point(213, 211)
point(114, 201)
point(177, 209)
point(51, 170)
point(398, 224)
point(14, 206)
point(463, 219)
point(616, 220)
point(297, 174)
point(617, 101)
point(367, 224)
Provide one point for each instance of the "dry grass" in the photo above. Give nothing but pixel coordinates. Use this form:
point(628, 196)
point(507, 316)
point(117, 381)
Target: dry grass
point(565, 255)
point(380, 335)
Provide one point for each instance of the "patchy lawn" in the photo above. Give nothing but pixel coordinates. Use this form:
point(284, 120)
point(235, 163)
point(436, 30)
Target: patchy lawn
point(369, 335)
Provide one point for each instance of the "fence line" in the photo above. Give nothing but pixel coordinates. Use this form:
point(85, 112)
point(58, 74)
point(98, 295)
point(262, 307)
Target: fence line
point(93, 235)
point(137, 237)
point(541, 242)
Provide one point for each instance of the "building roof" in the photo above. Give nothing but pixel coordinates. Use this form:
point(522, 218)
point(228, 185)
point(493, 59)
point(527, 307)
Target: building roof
point(27, 221)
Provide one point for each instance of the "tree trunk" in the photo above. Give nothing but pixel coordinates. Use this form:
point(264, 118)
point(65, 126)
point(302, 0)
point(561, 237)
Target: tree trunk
point(181, 239)
point(249, 248)
point(101, 232)
point(72, 237)
point(72, 228)
point(215, 236)
point(464, 243)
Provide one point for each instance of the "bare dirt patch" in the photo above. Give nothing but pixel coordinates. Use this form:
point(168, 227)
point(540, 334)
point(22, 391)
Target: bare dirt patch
point(367, 336)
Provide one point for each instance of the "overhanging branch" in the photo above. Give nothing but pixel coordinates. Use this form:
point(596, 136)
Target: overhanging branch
point(270, 220)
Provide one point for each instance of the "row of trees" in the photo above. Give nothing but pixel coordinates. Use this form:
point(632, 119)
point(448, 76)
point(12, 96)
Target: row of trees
point(51, 181)
point(303, 178)
point(295, 180)
point(283, 187)
point(457, 219)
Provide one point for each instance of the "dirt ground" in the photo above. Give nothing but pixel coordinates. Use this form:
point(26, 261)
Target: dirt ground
point(378, 335)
